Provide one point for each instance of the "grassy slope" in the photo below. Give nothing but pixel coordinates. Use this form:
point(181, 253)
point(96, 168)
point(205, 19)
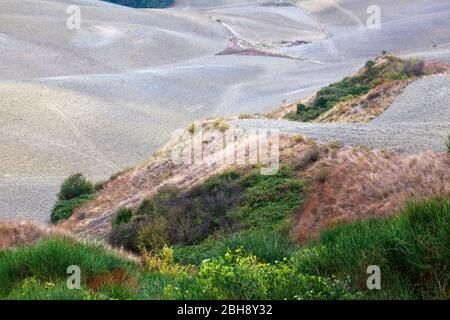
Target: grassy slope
point(386, 70)
point(412, 249)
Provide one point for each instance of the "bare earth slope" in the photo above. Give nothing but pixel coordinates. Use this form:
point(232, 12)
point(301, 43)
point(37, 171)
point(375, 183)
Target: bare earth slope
point(107, 96)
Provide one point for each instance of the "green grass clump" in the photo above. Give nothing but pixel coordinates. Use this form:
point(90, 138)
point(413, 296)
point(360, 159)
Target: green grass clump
point(32, 289)
point(63, 209)
point(46, 263)
point(269, 246)
point(144, 3)
point(123, 216)
point(412, 250)
point(267, 201)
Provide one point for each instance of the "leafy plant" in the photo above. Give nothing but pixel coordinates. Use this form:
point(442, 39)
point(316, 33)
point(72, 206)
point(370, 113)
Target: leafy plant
point(63, 209)
point(74, 186)
point(238, 277)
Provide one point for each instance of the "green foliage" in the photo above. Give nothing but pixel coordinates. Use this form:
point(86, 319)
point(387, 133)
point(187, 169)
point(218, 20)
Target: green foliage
point(267, 245)
point(350, 87)
point(144, 3)
point(32, 289)
point(267, 201)
point(126, 236)
point(238, 277)
point(63, 209)
point(47, 262)
point(370, 64)
point(412, 250)
point(123, 216)
point(224, 204)
point(154, 236)
point(74, 186)
point(174, 217)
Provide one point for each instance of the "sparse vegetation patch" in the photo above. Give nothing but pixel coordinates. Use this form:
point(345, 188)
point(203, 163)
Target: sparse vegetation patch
point(384, 71)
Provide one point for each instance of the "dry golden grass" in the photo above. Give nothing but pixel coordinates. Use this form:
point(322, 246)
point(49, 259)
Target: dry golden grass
point(117, 277)
point(13, 234)
point(354, 184)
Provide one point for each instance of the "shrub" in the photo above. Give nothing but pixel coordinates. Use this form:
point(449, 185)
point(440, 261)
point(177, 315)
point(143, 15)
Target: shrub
point(153, 237)
point(126, 236)
point(267, 245)
point(99, 185)
point(63, 209)
point(74, 186)
point(123, 216)
point(370, 64)
point(172, 217)
point(33, 289)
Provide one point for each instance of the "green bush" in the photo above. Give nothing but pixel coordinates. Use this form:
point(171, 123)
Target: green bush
point(370, 64)
point(126, 236)
point(63, 209)
point(123, 216)
point(154, 236)
point(74, 186)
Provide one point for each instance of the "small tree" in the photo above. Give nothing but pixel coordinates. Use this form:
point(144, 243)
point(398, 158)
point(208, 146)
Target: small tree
point(74, 186)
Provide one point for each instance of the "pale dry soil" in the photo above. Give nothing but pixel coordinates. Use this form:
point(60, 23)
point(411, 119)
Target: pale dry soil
point(105, 97)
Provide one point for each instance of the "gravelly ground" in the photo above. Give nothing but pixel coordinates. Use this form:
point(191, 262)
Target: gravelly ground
point(106, 96)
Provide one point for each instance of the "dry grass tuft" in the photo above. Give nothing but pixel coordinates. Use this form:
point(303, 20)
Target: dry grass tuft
point(354, 184)
point(13, 234)
point(117, 277)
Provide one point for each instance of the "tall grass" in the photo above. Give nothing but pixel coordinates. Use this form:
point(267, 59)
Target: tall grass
point(48, 260)
point(267, 245)
point(412, 250)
